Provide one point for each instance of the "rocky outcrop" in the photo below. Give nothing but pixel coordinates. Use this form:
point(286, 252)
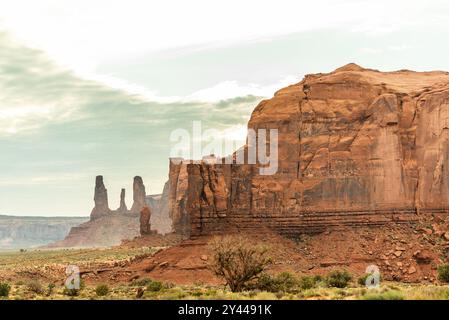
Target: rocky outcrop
point(139, 195)
point(145, 216)
point(123, 209)
point(356, 147)
point(101, 208)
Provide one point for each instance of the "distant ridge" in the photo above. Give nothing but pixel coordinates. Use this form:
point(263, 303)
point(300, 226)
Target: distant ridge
point(17, 232)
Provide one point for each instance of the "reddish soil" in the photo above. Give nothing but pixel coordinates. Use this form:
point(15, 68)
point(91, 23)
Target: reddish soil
point(408, 253)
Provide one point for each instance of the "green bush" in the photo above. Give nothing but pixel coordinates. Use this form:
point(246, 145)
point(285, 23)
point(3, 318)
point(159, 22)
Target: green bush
point(286, 281)
point(5, 288)
point(35, 287)
point(443, 273)
point(265, 282)
point(283, 282)
point(307, 282)
point(155, 286)
point(50, 288)
point(141, 282)
point(362, 280)
point(338, 279)
point(102, 290)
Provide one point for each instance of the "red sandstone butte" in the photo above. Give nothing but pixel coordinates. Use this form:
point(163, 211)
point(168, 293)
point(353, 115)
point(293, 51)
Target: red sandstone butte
point(356, 147)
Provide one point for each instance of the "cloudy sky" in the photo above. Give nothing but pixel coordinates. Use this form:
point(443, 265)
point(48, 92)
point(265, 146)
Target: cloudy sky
point(92, 87)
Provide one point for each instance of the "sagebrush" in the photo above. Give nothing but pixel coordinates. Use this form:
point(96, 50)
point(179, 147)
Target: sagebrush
point(238, 260)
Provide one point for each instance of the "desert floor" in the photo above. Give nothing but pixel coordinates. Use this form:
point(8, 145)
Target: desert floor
point(40, 274)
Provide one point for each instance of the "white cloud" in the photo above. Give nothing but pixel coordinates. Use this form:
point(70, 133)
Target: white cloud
point(83, 33)
point(231, 89)
point(222, 91)
point(15, 119)
point(23, 112)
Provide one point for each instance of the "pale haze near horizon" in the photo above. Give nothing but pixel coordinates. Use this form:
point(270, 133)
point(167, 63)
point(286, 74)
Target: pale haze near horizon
point(96, 87)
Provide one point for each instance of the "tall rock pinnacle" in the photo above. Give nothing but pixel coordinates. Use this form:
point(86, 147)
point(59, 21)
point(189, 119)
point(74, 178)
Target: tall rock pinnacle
point(138, 195)
point(145, 216)
point(122, 209)
point(101, 200)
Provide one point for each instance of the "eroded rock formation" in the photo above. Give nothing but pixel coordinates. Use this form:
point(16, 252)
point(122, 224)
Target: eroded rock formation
point(356, 147)
point(122, 209)
point(108, 228)
point(101, 208)
point(145, 216)
point(139, 195)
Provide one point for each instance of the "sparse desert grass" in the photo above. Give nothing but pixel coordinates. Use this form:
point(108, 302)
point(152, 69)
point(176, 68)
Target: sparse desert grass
point(14, 259)
point(387, 291)
point(386, 295)
point(35, 286)
point(285, 286)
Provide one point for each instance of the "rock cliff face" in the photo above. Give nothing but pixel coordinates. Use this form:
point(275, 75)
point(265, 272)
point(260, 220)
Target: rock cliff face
point(356, 147)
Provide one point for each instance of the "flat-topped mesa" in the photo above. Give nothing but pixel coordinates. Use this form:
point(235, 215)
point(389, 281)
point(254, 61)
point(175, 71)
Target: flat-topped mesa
point(139, 195)
point(355, 147)
point(101, 208)
point(122, 209)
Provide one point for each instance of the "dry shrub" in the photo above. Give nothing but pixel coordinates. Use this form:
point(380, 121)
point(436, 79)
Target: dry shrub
point(238, 260)
point(35, 286)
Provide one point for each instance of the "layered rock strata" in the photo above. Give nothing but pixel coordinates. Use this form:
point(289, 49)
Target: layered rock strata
point(355, 147)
